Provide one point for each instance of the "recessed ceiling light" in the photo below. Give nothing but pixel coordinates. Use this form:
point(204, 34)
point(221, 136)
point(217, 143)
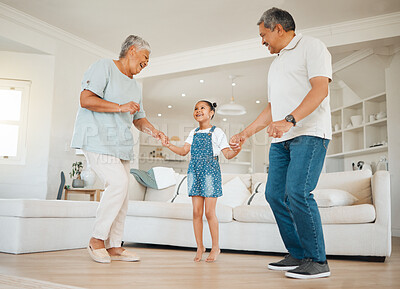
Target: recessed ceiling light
point(257, 101)
point(224, 119)
point(201, 80)
point(183, 94)
point(233, 84)
point(159, 114)
point(169, 106)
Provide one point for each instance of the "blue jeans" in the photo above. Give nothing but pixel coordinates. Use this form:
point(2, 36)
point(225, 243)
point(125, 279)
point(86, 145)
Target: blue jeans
point(294, 170)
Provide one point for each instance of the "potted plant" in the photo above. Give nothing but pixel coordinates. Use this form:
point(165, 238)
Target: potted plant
point(75, 174)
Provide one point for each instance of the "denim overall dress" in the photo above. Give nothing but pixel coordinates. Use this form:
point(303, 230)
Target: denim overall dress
point(204, 173)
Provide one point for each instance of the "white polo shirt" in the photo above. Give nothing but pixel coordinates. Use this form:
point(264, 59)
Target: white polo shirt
point(289, 82)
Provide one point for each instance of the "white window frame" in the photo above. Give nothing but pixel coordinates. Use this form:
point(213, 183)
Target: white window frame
point(24, 87)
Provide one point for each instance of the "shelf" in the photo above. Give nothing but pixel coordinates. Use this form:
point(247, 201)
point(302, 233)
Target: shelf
point(355, 128)
point(359, 152)
point(379, 122)
point(379, 97)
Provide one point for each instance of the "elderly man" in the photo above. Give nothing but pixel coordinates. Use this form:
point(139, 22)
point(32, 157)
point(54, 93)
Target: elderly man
point(298, 119)
point(111, 100)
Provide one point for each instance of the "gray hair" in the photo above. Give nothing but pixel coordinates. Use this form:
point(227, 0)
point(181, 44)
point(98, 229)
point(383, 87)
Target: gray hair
point(136, 41)
point(275, 16)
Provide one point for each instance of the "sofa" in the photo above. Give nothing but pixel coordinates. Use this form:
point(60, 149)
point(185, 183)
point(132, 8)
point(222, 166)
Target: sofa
point(246, 221)
point(29, 225)
point(360, 229)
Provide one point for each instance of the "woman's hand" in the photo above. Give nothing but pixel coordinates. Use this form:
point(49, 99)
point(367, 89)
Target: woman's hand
point(131, 107)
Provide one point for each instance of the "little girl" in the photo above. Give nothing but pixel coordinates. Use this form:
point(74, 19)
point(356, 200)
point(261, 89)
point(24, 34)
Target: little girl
point(204, 174)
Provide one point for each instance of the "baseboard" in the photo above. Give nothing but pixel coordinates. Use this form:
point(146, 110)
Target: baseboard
point(395, 232)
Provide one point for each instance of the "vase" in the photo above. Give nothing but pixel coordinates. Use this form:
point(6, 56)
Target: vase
point(77, 183)
point(88, 176)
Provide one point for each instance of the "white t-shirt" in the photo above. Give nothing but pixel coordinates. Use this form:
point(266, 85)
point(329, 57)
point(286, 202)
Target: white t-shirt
point(289, 82)
point(219, 141)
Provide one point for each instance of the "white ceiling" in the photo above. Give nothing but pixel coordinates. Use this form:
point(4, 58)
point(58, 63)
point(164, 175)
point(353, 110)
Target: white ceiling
point(178, 25)
point(173, 26)
point(251, 86)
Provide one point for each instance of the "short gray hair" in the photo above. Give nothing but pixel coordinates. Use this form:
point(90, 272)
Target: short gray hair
point(275, 16)
point(136, 41)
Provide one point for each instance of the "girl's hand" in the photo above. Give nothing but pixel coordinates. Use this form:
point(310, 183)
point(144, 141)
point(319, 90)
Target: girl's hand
point(165, 142)
point(131, 107)
point(237, 141)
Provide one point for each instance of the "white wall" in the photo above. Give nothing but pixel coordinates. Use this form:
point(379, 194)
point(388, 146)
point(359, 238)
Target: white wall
point(71, 62)
point(53, 106)
point(392, 74)
point(30, 180)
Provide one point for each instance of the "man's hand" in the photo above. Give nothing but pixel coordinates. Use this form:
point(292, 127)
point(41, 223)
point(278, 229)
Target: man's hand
point(237, 141)
point(276, 129)
point(131, 107)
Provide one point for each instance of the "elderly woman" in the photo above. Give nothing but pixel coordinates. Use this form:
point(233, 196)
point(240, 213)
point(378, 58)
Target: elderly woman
point(111, 100)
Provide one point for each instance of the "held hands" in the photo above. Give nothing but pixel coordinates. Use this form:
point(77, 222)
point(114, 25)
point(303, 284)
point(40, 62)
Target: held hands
point(131, 107)
point(159, 135)
point(276, 129)
point(237, 141)
point(165, 141)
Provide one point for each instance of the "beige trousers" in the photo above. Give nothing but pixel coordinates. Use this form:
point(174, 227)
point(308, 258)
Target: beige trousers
point(111, 213)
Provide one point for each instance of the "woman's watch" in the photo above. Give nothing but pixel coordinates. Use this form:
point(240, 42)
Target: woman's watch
point(290, 118)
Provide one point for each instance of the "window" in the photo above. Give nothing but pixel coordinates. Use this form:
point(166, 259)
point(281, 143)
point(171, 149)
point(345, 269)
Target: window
point(14, 99)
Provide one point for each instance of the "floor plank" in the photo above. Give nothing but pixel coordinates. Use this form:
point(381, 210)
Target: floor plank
point(165, 267)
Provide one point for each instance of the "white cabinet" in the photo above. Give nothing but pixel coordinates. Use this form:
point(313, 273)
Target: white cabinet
point(358, 112)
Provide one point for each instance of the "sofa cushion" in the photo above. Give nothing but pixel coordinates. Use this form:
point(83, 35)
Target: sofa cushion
point(173, 210)
point(357, 183)
point(245, 178)
point(323, 197)
point(181, 187)
point(253, 214)
point(162, 195)
point(154, 195)
point(357, 214)
point(26, 208)
point(333, 198)
point(135, 189)
point(258, 178)
point(181, 199)
point(258, 195)
point(235, 193)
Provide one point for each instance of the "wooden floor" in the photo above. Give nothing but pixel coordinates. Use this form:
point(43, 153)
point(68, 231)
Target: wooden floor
point(163, 267)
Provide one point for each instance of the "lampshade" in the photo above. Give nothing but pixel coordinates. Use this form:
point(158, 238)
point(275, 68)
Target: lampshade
point(231, 108)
